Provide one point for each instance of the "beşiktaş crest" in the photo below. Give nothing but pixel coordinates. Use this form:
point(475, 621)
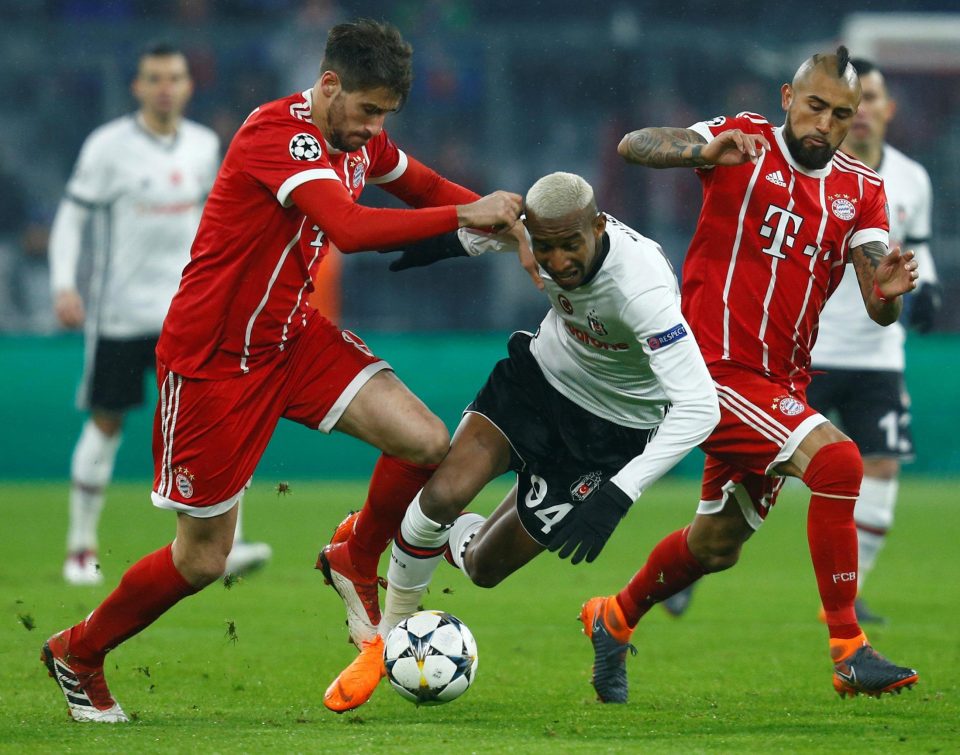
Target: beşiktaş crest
point(304, 147)
point(596, 325)
point(585, 485)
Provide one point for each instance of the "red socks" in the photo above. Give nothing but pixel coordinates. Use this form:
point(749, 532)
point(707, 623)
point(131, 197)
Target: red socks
point(670, 567)
point(393, 485)
point(147, 590)
point(833, 476)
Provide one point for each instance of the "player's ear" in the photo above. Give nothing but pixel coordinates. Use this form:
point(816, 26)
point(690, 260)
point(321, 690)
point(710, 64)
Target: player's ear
point(330, 83)
point(891, 108)
point(599, 225)
point(786, 97)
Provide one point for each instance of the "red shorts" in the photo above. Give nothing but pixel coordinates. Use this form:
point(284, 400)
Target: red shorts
point(209, 435)
point(761, 425)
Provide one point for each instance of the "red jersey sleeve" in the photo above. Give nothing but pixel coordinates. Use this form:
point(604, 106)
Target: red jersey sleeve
point(873, 220)
point(413, 182)
point(355, 228)
point(283, 155)
point(290, 160)
point(750, 123)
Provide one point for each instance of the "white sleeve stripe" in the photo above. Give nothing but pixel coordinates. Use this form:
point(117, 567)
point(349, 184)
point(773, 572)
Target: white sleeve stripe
point(298, 179)
point(394, 174)
point(866, 235)
point(704, 130)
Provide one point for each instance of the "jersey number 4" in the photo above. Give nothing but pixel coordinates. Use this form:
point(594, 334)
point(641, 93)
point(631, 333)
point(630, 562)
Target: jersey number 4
point(549, 515)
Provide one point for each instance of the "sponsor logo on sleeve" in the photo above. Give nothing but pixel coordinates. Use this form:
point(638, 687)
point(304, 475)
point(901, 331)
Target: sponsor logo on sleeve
point(667, 337)
point(304, 147)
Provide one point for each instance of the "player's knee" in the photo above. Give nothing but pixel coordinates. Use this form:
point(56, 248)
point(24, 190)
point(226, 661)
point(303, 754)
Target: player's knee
point(443, 499)
point(432, 445)
point(481, 572)
point(201, 566)
point(836, 469)
point(717, 554)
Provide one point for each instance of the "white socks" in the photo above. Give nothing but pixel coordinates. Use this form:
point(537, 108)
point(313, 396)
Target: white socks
point(874, 516)
point(464, 528)
point(90, 472)
point(409, 574)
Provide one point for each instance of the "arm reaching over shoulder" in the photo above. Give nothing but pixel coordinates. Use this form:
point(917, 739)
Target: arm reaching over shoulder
point(883, 277)
point(684, 148)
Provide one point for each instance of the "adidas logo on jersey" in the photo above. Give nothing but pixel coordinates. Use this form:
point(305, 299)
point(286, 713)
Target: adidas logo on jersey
point(776, 178)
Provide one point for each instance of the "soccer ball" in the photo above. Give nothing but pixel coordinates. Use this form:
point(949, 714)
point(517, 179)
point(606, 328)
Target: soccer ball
point(431, 658)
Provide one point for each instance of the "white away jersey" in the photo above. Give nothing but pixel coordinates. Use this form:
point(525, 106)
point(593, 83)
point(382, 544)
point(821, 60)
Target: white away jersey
point(145, 195)
point(848, 338)
point(618, 346)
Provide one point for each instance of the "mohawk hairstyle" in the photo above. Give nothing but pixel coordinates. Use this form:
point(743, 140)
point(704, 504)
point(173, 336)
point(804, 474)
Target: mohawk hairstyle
point(843, 58)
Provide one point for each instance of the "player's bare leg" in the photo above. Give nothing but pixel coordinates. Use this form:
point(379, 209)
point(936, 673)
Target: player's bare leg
point(476, 456)
point(387, 415)
point(500, 546)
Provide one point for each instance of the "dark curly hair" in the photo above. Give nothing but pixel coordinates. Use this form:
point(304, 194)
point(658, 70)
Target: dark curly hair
point(367, 54)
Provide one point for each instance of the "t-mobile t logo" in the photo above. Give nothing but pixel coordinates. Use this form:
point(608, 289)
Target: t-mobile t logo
point(782, 230)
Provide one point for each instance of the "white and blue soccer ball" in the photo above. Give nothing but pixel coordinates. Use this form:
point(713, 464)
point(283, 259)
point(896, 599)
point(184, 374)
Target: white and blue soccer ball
point(431, 658)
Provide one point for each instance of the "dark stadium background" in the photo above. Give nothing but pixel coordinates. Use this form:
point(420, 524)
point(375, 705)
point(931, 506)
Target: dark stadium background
point(504, 92)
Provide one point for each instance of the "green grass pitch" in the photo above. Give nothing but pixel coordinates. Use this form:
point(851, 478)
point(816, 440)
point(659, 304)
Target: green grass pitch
point(746, 670)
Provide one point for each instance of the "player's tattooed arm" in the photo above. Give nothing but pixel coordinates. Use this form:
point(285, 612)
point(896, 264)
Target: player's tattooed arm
point(663, 148)
point(883, 276)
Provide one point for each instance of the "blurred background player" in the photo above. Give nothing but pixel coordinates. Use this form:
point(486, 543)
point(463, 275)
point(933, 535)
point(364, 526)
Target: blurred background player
point(242, 347)
point(579, 412)
point(783, 212)
point(862, 378)
point(139, 184)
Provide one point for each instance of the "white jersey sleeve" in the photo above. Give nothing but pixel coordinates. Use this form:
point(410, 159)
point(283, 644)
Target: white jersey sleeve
point(847, 337)
point(619, 347)
point(88, 187)
point(682, 374)
point(144, 195)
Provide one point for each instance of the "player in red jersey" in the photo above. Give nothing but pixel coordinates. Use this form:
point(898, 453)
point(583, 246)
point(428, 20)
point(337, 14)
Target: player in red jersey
point(241, 347)
point(783, 212)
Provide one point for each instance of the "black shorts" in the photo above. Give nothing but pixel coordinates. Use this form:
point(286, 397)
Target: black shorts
point(873, 408)
point(560, 451)
point(114, 380)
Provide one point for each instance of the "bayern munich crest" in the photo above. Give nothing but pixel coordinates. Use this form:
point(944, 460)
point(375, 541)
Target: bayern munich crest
point(184, 480)
point(789, 405)
point(304, 147)
point(843, 209)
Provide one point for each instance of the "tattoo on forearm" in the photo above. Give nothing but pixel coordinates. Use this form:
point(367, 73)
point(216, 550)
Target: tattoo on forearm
point(875, 250)
point(664, 148)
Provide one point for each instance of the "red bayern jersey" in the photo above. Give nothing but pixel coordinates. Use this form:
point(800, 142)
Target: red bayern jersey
point(243, 295)
point(770, 247)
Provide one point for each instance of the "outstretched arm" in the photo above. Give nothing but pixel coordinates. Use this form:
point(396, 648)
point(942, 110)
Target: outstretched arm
point(883, 277)
point(684, 148)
